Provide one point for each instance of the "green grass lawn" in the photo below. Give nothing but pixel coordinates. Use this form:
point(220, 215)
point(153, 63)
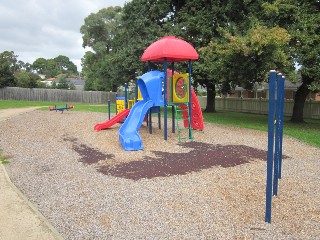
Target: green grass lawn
point(308, 132)
point(77, 106)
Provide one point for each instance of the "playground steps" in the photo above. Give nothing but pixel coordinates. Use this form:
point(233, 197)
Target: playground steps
point(184, 130)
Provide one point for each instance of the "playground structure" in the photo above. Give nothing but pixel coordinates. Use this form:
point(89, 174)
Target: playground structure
point(61, 109)
point(161, 89)
point(123, 106)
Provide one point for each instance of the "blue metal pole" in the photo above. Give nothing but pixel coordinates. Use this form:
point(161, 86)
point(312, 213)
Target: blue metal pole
point(116, 104)
point(190, 100)
point(281, 86)
point(277, 137)
point(165, 122)
point(125, 95)
point(159, 119)
point(136, 86)
point(149, 66)
point(150, 121)
point(109, 109)
point(173, 112)
point(272, 79)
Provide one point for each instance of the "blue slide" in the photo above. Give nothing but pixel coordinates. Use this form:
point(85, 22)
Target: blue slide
point(150, 85)
point(128, 132)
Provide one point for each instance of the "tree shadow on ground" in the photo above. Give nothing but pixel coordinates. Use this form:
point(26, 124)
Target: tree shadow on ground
point(201, 156)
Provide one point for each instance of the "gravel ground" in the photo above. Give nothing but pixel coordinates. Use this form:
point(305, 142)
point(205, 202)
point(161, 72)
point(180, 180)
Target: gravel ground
point(214, 188)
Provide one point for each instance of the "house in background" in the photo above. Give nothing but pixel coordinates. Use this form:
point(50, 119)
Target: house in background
point(262, 91)
point(49, 81)
point(77, 82)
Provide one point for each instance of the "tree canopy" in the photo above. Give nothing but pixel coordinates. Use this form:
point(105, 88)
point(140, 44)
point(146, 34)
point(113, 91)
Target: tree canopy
point(238, 41)
point(55, 66)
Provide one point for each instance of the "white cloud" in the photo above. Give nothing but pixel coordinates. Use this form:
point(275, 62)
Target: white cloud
point(37, 28)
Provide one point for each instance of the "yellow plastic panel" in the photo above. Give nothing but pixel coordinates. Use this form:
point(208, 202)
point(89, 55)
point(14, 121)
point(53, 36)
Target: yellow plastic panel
point(180, 88)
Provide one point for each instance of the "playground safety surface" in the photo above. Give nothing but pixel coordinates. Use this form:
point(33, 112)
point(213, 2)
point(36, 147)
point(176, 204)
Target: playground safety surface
point(214, 187)
point(19, 218)
point(164, 164)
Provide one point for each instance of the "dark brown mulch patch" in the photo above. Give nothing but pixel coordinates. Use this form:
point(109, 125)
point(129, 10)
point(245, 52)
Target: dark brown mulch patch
point(88, 155)
point(201, 156)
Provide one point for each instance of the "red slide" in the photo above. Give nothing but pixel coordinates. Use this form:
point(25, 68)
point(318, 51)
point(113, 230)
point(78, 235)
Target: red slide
point(100, 126)
point(196, 118)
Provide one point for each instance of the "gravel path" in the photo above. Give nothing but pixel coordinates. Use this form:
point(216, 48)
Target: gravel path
point(214, 188)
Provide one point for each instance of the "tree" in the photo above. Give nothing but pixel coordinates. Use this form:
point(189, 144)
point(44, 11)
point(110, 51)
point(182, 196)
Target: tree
point(55, 66)
point(201, 22)
point(100, 28)
point(64, 65)
point(62, 83)
point(6, 76)
point(7, 68)
point(301, 18)
point(244, 60)
point(98, 34)
point(26, 79)
point(40, 65)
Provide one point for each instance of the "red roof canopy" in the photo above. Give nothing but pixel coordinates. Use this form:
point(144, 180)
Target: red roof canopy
point(172, 48)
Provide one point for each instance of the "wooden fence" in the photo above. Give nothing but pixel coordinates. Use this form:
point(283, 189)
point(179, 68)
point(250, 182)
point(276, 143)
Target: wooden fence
point(56, 95)
point(260, 106)
point(248, 105)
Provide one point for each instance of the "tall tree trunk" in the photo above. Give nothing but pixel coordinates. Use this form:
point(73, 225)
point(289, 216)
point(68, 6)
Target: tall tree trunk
point(114, 88)
point(299, 99)
point(211, 98)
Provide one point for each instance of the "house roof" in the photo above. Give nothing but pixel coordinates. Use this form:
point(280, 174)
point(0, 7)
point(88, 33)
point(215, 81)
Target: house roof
point(76, 81)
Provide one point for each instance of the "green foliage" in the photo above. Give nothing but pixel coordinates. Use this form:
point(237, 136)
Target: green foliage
point(40, 65)
point(244, 60)
point(3, 158)
point(7, 67)
point(41, 84)
point(100, 28)
point(301, 19)
point(98, 65)
point(55, 66)
point(26, 79)
point(14, 72)
point(62, 83)
point(238, 41)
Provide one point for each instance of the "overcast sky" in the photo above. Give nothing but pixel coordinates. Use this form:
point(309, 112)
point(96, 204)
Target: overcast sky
point(46, 28)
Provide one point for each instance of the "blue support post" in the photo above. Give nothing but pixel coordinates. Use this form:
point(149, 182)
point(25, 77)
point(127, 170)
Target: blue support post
point(281, 87)
point(125, 95)
point(190, 100)
point(277, 137)
point(173, 112)
point(150, 121)
point(159, 119)
point(136, 86)
point(165, 123)
point(116, 104)
point(272, 80)
point(149, 66)
point(109, 110)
